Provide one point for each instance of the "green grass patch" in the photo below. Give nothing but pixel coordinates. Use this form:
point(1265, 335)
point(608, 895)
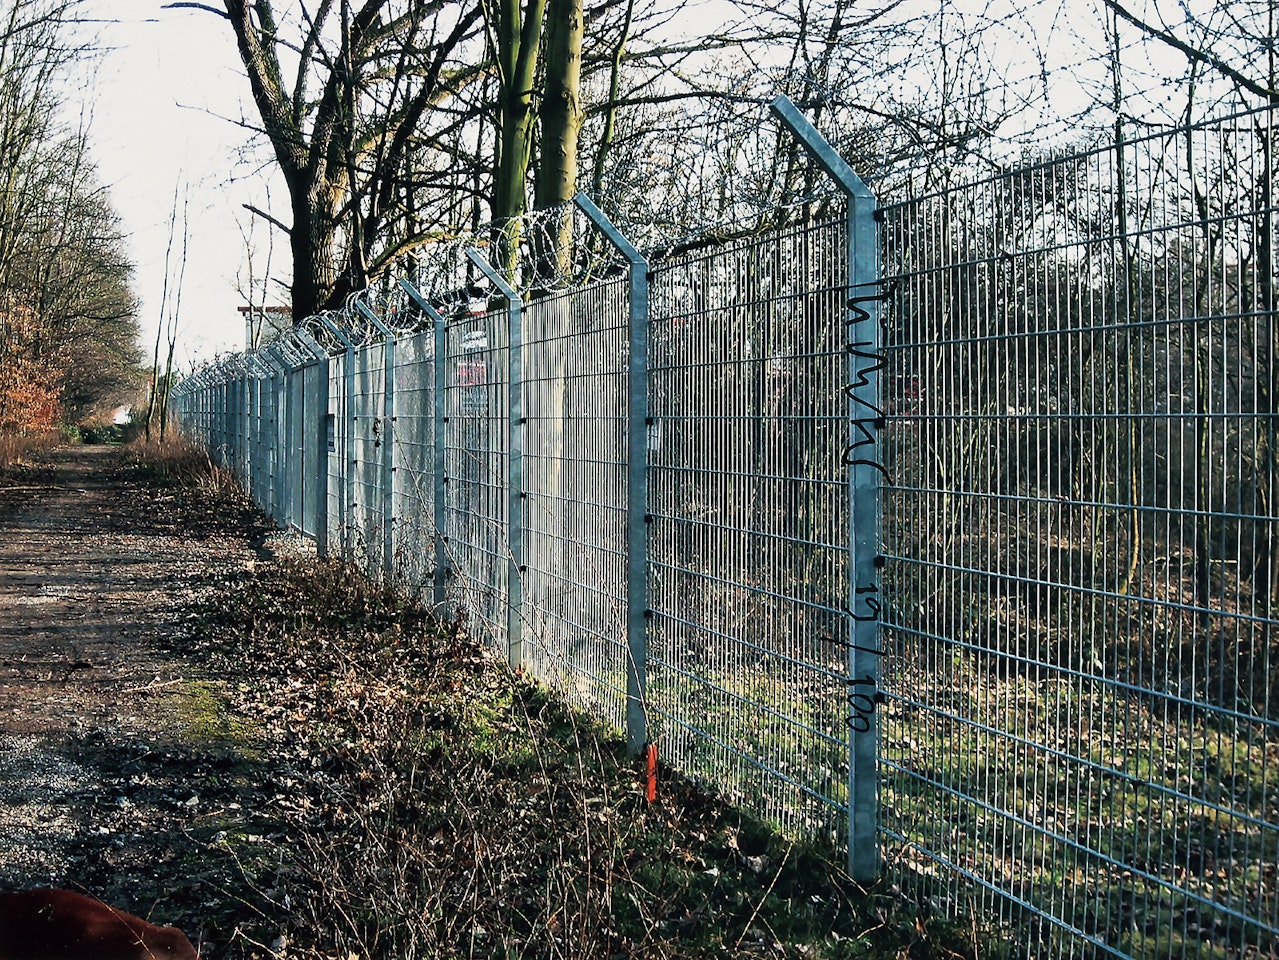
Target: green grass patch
point(1106, 810)
point(205, 716)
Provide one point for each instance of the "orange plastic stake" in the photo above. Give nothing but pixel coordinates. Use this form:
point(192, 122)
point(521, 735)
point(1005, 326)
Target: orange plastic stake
point(650, 783)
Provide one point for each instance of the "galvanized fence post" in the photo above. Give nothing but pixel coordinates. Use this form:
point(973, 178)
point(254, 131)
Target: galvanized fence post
point(248, 376)
point(294, 407)
point(515, 459)
point(387, 485)
point(278, 480)
point(437, 434)
point(246, 418)
point(865, 416)
point(637, 612)
point(235, 392)
point(258, 466)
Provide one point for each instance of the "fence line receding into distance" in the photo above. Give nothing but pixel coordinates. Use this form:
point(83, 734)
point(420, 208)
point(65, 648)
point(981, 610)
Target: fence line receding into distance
point(1039, 407)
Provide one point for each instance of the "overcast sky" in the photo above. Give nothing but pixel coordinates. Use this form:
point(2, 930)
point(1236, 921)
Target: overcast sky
point(164, 98)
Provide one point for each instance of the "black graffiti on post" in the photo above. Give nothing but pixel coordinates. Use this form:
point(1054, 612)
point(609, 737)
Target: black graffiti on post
point(861, 704)
point(866, 422)
point(871, 362)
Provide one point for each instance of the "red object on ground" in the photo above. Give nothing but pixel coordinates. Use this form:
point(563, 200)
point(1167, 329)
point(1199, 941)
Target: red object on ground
point(650, 782)
point(52, 924)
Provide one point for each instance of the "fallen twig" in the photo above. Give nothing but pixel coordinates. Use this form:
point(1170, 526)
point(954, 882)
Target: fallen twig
point(153, 685)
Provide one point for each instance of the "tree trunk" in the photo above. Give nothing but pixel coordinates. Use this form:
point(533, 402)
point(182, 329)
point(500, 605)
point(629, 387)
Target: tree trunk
point(311, 242)
point(561, 125)
point(610, 111)
point(518, 39)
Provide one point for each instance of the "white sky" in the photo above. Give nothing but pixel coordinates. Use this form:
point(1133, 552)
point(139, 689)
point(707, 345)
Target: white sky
point(164, 96)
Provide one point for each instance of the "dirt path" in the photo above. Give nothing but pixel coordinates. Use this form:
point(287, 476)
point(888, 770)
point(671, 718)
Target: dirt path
point(107, 765)
point(88, 577)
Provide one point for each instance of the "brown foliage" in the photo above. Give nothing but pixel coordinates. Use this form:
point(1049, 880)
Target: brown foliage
point(29, 395)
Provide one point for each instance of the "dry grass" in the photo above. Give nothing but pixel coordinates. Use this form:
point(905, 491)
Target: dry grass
point(445, 807)
point(16, 450)
point(179, 459)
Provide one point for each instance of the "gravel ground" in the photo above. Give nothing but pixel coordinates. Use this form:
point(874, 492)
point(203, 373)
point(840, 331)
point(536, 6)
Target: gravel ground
point(113, 775)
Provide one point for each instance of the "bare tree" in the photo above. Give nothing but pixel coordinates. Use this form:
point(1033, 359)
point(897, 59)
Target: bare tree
point(166, 331)
point(1232, 40)
point(67, 315)
point(343, 123)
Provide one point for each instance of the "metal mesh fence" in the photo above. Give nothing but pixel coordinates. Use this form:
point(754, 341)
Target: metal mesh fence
point(1083, 728)
point(476, 464)
point(414, 478)
point(749, 541)
point(656, 488)
point(370, 427)
point(575, 357)
point(337, 448)
point(295, 448)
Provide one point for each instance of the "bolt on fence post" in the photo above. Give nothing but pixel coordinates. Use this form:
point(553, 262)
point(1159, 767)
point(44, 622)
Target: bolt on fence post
point(636, 480)
point(864, 414)
point(387, 486)
point(515, 459)
point(348, 432)
point(437, 434)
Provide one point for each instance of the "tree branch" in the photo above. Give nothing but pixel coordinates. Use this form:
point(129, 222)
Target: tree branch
point(267, 217)
point(1195, 54)
point(197, 6)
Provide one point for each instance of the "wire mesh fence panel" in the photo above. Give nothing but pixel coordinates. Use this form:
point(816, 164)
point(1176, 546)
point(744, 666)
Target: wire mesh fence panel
point(234, 432)
point(749, 579)
point(336, 445)
point(477, 471)
point(242, 427)
point(368, 426)
point(1082, 737)
point(215, 422)
point(295, 455)
point(274, 502)
point(414, 486)
point(313, 460)
point(253, 435)
point(220, 425)
point(237, 428)
point(1079, 736)
point(575, 361)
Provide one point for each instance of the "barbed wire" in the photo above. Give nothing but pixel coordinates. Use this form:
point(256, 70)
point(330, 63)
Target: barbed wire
point(543, 251)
